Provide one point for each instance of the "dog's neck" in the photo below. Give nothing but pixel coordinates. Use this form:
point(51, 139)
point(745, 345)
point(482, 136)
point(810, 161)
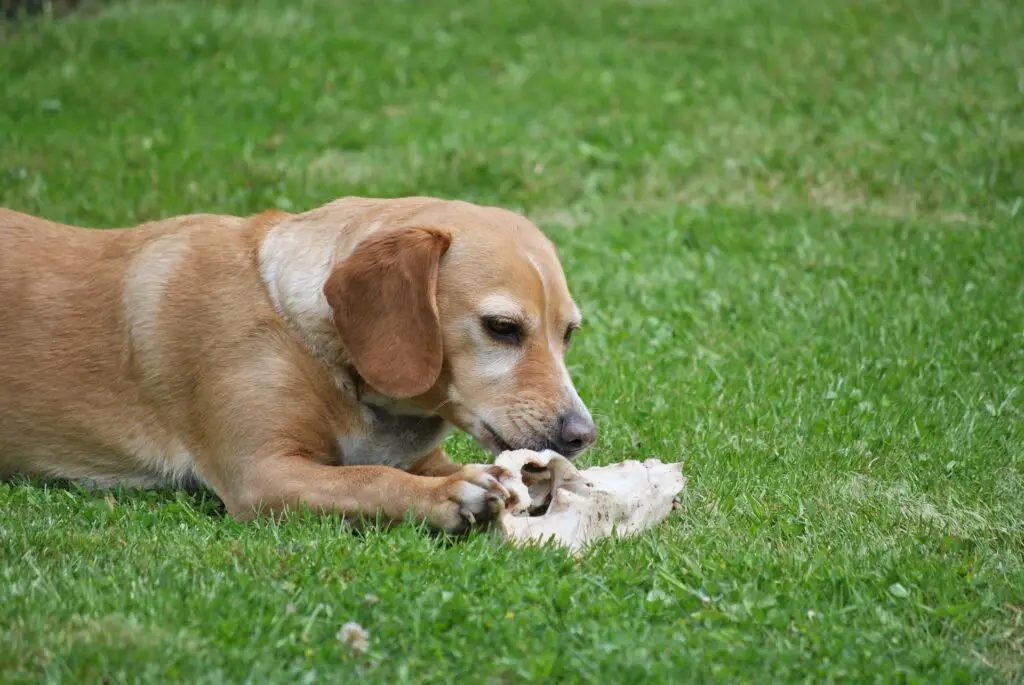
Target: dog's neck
point(295, 260)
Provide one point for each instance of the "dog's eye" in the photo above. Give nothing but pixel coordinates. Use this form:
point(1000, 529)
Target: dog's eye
point(505, 330)
point(567, 338)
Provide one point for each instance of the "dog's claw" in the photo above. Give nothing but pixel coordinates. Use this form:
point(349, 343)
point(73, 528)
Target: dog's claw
point(497, 487)
point(473, 497)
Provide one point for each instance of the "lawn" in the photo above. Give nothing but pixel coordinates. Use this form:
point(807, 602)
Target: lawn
point(796, 230)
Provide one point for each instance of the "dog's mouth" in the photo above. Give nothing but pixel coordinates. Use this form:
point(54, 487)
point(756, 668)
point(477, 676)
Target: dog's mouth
point(499, 442)
point(502, 445)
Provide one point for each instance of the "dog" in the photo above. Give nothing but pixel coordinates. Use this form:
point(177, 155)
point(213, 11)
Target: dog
point(286, 361)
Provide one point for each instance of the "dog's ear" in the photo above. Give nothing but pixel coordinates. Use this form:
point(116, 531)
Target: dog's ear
point(384, 297)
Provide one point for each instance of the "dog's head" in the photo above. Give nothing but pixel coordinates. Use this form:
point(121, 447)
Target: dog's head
point(464, 311)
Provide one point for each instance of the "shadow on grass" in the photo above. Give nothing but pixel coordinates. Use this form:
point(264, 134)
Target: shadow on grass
point(23, 12)
point(202, 502)
point(199, 499)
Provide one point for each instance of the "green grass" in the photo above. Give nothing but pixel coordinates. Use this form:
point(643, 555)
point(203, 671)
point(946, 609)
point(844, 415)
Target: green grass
point(797, 233)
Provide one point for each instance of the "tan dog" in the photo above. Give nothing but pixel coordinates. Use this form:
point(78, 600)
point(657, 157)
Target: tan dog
point(280, 360)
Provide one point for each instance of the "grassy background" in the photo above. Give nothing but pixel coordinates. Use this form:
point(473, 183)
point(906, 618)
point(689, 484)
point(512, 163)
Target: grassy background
point(796, 230)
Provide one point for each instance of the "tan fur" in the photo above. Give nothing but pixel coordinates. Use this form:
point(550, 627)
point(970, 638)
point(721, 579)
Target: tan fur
point(385, 308)
point(279, 359)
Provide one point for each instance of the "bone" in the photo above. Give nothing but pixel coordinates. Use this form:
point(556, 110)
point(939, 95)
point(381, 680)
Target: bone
point(551, 500)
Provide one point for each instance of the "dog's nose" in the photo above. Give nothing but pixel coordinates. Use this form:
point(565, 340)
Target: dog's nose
point(576, 432)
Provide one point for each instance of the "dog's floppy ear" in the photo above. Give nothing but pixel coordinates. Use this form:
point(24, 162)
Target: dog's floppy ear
point(384, 297)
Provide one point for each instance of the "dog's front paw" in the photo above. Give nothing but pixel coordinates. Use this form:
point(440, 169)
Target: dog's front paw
point(472, 496)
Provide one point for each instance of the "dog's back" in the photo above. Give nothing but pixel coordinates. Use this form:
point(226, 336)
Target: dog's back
point(68, 407)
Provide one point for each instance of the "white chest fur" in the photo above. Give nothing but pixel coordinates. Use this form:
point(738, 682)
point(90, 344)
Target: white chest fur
point(396, 440)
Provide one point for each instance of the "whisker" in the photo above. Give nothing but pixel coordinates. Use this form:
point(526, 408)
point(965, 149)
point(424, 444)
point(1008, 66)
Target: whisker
point(434, 410)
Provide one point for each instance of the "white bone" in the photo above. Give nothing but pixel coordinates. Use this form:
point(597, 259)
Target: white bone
point(621, 499)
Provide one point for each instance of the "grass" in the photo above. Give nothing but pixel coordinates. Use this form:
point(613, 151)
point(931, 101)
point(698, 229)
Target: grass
point(797, 233)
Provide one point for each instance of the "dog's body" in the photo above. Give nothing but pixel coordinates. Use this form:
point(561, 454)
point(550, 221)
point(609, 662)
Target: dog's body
point(317, 358)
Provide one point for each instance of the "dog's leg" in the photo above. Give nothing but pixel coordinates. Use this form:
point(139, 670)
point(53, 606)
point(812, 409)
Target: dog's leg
point(268, 427)
point(275, 485)
point(436, 463)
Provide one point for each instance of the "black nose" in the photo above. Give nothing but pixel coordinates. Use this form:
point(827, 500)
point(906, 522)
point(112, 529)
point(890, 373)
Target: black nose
point(576, 432)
